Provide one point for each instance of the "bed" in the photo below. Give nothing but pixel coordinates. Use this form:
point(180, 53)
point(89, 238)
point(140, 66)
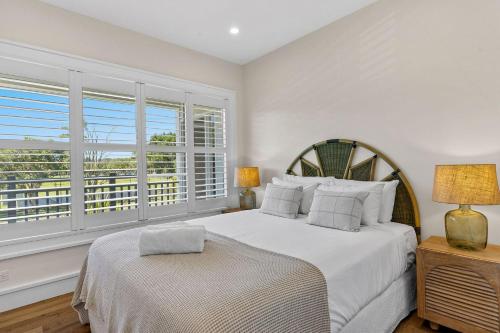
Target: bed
point(369, 276)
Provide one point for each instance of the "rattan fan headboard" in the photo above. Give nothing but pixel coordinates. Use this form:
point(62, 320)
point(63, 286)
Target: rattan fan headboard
point(335, 158)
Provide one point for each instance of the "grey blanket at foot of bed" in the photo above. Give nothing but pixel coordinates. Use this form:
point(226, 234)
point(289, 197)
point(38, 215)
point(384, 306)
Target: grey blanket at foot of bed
point(229, 287)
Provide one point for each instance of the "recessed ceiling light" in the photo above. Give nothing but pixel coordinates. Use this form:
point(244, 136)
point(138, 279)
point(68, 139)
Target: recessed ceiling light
point(234, 30)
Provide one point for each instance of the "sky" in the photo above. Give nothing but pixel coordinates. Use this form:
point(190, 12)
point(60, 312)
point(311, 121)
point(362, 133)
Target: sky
point(44, 116)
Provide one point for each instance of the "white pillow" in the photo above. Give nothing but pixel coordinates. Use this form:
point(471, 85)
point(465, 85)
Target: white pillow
point(372, 204)
point(308, 193)
point(281, 201)
point(307, 180)
point(388, 196)
point(338, 210)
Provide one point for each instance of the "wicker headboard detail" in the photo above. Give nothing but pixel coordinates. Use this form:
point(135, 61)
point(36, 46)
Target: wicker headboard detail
point(335, 158)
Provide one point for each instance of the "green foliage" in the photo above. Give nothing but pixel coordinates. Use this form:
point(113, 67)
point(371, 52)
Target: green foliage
point(161, 163)
point(163, 138)
point(29, 164)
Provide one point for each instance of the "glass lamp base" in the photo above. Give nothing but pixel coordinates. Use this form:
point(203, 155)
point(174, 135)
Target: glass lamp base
point(247, 199)
point(466, 228)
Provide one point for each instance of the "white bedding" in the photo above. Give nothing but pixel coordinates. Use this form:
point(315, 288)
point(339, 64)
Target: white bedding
point(358, 266)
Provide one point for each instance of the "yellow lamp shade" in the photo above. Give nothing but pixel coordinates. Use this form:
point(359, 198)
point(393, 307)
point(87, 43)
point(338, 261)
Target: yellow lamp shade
point(246, 177)
point(466, 184)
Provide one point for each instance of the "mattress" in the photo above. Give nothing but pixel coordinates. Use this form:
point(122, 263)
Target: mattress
point(357, 266)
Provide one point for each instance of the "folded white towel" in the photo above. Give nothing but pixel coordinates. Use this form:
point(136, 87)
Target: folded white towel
point(174, 239)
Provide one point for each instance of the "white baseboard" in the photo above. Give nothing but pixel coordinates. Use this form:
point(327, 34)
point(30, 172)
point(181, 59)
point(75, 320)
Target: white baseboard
point(37, 291)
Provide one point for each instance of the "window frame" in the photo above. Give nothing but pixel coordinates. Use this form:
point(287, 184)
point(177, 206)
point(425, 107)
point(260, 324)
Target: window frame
point(78, 226)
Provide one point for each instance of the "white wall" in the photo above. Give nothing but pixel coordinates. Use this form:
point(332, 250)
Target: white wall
point(38, 24)
point(39, 276)
point(419, 80)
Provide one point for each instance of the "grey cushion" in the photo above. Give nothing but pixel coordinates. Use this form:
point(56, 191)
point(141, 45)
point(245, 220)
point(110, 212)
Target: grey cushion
point(307, 193)
point(281, 201)
point(337, 209)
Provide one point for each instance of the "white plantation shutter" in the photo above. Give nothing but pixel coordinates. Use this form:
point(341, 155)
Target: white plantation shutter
point(165, 123)
point(34, 185)
point(110, 151)
point(108, 111)
point(167, 182)
point(210, 150)
point(32, 110)
point(108, 118)
point(209, 127)
point(210, 175)
point(110, 181)
point(34, 149)
point(166, 150)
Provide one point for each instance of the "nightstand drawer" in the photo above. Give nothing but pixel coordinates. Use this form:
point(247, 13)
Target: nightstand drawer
point(458, 290)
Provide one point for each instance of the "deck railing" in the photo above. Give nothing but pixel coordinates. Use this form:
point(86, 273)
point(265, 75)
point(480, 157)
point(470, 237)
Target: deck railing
point(51, 198)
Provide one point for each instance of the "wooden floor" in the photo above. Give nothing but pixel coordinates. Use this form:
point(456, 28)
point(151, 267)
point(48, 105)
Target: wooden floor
point(56, 315)
point(52, 315)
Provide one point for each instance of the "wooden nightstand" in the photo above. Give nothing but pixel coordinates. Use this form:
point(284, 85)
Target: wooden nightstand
point(458, 289)
point(231, 210)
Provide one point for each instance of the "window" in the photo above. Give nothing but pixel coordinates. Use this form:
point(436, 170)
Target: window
point(167, 178)
point(108, 117)
point(34, 185)
point(165, 123)
point(81, 150)
point(209, 127)
point(34, 177)
point(32, 110)
point(110, 181)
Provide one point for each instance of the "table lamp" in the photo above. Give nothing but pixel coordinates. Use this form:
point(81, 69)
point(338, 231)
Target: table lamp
point(465, 185)
point(247, 177)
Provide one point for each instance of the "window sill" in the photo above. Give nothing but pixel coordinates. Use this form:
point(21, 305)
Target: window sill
point(85, 237)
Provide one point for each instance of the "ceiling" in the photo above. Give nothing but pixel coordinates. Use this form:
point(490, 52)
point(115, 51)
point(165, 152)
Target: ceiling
point(203, 25)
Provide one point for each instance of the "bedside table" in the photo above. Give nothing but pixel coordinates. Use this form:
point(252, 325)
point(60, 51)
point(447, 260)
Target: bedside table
point(458, 289)
point(231, 210)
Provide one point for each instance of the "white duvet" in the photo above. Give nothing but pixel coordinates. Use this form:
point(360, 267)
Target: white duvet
point(357, 266)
